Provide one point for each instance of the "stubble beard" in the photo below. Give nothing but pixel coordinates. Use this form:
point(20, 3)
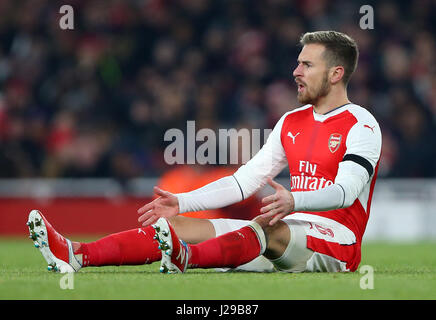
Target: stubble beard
point(313, 97)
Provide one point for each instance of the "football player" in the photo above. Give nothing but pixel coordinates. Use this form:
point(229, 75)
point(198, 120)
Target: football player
point(332, 147)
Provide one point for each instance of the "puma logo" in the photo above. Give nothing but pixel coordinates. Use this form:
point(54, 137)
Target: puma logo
point(367, 126)
point(141, 231)
point(182, 254)
point(292, 136)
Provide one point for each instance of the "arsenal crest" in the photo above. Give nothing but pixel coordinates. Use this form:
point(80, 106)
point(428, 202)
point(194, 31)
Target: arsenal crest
point(334, 142)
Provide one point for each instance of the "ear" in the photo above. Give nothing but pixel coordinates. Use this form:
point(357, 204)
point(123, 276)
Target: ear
point(336, 74)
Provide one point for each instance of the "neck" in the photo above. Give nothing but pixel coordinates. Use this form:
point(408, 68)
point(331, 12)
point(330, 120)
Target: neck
point(335, 98)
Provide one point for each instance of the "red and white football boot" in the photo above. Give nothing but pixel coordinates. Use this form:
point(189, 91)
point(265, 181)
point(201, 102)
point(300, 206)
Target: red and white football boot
point(56, 250)
point(175, 252)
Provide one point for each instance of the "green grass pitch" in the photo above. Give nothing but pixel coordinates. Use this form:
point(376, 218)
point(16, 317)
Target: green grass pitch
point(401, 271)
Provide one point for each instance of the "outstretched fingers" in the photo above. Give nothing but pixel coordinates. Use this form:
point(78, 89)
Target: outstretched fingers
point(166, 205)
point(149, 206)
point(145, 215)
point(146, 212)
point(151, 219)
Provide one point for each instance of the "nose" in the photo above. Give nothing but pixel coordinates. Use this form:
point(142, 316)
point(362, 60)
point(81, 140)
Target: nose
point(298, 71)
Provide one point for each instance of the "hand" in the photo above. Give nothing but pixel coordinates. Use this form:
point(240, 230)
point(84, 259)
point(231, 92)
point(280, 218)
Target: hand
point(167, 205)
point(277, 205)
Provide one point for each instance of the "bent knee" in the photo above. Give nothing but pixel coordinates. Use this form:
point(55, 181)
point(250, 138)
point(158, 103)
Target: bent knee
point(277, 236)
point(278, 227)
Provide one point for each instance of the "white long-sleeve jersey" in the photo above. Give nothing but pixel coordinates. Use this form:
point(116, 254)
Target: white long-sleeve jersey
point(332, 159)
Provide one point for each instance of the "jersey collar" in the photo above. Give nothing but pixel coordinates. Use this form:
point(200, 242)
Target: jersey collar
point(331, 113)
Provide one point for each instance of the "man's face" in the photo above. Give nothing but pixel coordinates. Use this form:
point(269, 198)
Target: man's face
point(311, 74)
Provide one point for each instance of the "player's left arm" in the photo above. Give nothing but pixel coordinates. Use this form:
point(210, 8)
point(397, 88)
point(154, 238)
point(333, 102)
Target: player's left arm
point(355, 170)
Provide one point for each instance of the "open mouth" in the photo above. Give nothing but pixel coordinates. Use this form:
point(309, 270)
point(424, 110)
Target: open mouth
point(300, 85)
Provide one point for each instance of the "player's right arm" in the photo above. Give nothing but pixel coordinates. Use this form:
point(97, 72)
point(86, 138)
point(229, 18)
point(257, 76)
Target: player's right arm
point(247, 180)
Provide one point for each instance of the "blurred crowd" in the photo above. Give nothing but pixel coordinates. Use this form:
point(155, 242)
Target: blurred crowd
point(96, 101)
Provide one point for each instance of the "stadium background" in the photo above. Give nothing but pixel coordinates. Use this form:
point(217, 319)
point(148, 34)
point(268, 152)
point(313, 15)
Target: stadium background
point(83, 111)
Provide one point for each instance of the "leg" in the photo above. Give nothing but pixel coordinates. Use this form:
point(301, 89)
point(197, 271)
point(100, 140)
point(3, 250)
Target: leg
point(131, 247)
point(231, 249)
point(137, 246)
point(322, 246)
point(286, 244)
point(277, 237)
point(292, 245)
point(193, 230)
point(259, 264)
point(294, 256)
point(243, 247)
